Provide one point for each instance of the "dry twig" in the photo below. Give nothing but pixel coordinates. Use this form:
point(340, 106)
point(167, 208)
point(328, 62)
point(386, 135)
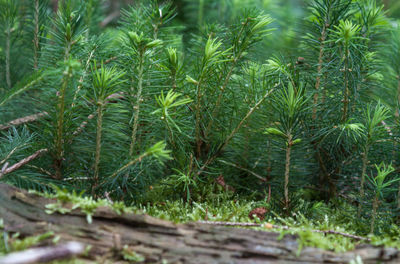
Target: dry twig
point(21, 163)
point(23, 120)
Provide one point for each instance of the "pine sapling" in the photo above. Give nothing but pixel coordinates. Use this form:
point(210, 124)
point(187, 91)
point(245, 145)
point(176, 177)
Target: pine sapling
point(291, 106)
point(380, 184)
point(347, 35)
point(372, 132)
point(251, 31)
point(140, 46)
point(105, 83)
point(211, 58)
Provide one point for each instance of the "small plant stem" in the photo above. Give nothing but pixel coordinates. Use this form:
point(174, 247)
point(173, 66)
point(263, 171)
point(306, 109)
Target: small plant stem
point(132, 162)
point(8, 47)
point(200, 13)
point(244, 169)
point(59, 140)
point(287, 171)
point(98, 143)
point(319, 69)
point(171, 135)
point(219, 99)
point(198, 118)
point(67, 50)
point(374, 209)
point(346, 85)
point(233, 133)
point(88, 17)
point(82, 78)
point(23, 89)
point(363, 171)
point(23, 120)
point(136, 108)
point(173, 82)
point(269, 170)
point(36, 36)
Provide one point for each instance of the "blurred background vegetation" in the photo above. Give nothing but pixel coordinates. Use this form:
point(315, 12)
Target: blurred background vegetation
point(191, 14)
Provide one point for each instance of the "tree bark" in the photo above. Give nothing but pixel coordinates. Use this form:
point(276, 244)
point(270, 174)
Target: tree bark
point(157, 240)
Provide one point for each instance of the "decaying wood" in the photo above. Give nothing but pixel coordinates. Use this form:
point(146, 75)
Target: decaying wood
point(271, 226)
point(157, 240)
point(44, 254)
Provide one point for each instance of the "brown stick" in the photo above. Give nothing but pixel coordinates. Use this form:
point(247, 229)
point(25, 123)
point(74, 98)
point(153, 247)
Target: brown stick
point(21, 163)
point(23, 120)
point(271, 226)
point(35, 117)
point(109, 99)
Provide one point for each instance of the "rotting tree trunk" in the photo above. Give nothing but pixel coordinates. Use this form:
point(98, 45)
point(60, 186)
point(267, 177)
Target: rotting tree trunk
point(159, 240)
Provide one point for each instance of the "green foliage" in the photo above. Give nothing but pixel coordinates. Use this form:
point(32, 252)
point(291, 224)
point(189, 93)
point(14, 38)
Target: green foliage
point(379, 182)
point(176, 111)
point(380, 185)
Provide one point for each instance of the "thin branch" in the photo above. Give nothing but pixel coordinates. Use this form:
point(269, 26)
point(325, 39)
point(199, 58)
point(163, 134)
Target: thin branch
point(8, 44)
point(41, 170)
point(108, 61)
point(234, 131)
point(109, 99)
point(36, 36)
point(271, 226)
point(9, 155)
point(22, 162)
point(23, 120)
point(136, 108)
point(132, 162)
point(319, 70)
point(81, 79)
point(110, 18)
point(244, 169)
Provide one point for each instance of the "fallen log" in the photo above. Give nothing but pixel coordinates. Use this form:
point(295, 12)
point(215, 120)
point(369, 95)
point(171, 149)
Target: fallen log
point(157, 240)
point(44, 254)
